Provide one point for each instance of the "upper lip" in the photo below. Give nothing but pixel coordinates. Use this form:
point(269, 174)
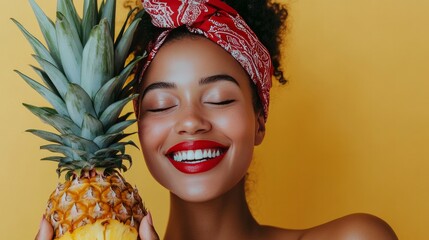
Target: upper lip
point(195, 145)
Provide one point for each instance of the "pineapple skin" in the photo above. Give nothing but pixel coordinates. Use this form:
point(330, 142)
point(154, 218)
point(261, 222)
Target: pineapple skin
point(95, 206)
point(102, 230)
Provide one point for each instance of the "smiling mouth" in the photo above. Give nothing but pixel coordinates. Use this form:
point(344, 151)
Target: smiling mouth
point(199, 156)
point(196, 156)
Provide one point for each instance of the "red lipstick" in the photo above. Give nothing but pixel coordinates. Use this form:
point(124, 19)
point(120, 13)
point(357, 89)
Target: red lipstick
point(196, 156)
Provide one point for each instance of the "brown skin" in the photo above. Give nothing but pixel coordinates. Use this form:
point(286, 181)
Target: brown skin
point(353, 227)
point(219, 210)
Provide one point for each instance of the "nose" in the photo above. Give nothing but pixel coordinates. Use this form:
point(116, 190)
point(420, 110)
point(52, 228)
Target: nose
point(192, 121)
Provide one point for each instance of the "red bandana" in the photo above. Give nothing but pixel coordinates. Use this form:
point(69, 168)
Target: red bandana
point(221, 24)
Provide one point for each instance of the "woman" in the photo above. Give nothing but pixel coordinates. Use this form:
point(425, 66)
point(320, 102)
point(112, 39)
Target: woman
point(204, 95)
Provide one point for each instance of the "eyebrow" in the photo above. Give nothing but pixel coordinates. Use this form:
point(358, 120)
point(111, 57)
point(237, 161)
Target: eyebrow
point(158, 85)
point(219, 77)
point(203, 81)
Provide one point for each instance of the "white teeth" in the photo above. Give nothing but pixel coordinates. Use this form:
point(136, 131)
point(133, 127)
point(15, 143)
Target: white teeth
point(196, 155)
point(190, 155)
point(177, 157)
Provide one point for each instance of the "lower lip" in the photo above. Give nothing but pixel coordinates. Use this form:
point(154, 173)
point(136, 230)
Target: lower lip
point(193, 168)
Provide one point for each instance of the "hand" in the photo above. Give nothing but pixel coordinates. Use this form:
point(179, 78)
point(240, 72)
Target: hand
point(46, 232)
point(146, 229)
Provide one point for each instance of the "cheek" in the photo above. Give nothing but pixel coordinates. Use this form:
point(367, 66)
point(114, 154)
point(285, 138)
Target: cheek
point(239, 127)
point(152, 134)
point(238, 124)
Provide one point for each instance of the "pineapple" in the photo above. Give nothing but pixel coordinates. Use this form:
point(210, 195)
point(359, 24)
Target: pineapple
point(85, 74)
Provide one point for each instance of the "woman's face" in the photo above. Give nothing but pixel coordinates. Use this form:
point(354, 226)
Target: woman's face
point(197, 125)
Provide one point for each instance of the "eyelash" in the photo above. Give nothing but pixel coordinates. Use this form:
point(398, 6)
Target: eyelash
point(222, 102)
point(159, 109)
point(226, 102)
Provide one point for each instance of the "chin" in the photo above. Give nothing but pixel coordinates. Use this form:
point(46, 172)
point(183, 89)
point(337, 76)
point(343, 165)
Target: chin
point(202, 189)
point(204, 186)
point(197, 194)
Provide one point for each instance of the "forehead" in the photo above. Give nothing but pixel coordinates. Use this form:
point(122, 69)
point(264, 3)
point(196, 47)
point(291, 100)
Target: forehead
point(192, 57)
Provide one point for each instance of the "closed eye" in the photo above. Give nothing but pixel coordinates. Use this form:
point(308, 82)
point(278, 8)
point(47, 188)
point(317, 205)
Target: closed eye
point(160, 109)
point(222, 102)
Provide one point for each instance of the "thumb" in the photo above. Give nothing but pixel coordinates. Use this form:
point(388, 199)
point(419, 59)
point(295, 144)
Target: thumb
point(46, 232)
point(146, 229)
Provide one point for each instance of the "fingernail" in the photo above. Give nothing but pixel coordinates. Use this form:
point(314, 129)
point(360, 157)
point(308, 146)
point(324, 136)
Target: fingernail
point(149, 218)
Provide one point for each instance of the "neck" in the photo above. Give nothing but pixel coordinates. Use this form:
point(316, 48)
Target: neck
point(226, 217)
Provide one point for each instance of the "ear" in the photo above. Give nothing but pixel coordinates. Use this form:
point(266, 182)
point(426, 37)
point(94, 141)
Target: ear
point(259, 128)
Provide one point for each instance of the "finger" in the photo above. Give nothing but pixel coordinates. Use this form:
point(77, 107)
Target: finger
point(46, 232)
point(146, 229)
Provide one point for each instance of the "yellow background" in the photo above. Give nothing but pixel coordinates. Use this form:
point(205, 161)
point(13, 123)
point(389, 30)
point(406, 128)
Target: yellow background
point(349, 133)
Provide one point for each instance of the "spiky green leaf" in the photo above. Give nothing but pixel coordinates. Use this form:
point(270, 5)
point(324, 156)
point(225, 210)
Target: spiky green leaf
point(90, 18)
point(69, 174)
point(91, 127)
point(123, 47)
point(122, 136)
point(46, 80)
point(120, 146)
point(128, 89)
point(106, 152)
point(48, 136)
point(123, 168)
point(112, 112)
point(53, 158)
point(48, 30)
point(52, 98)
point(37, 46)
point(98, 59)
point(78, 103)
point(100, 12)
point(121, 126)
point(110, 91)
point(86, 4)
point(63, 124)
point(70, 49)
point(65, 150)
point(124, 117)
point(81, 165)
point(108, 12)
point(104, 141)
point(57, 77)
point(121, 32)
point(65, 161)
point(107, 162)
point(67, 8)
point(105, 96)
point(83, 144)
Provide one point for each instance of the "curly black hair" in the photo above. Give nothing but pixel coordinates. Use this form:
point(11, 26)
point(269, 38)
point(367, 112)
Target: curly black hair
point(266, 18)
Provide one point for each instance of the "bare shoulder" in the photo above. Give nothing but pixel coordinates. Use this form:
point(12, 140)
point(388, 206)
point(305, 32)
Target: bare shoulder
point(358, 226)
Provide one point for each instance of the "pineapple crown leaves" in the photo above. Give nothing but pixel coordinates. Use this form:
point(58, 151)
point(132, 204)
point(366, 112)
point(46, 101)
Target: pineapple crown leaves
point(84, 72)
